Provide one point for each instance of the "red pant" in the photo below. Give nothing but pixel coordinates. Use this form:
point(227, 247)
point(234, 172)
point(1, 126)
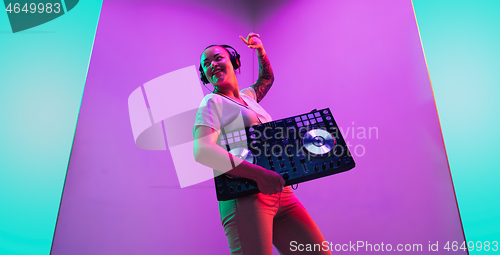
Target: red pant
point(254, 223)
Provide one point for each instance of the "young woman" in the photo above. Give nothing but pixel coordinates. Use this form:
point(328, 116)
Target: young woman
point(275, 216)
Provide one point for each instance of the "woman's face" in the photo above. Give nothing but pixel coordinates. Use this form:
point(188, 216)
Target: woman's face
point(217, 65)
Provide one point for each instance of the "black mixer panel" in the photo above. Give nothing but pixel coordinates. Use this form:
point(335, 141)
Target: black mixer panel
point(299, 148)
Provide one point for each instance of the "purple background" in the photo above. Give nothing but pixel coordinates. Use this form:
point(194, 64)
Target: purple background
point(362, 59)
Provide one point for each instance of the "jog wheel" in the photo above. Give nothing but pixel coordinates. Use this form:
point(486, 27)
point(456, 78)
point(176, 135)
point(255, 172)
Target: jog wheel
point(318, 142)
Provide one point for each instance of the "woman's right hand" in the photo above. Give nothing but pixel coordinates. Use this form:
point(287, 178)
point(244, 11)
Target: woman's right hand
point(270, 182)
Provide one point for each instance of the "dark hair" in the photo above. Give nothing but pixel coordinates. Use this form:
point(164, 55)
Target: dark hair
point(233, 56)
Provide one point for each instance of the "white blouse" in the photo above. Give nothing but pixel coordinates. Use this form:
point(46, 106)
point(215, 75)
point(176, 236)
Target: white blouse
point(217, 111)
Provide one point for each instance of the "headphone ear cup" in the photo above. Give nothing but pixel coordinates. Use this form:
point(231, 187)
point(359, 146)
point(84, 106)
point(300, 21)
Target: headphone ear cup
point(233, 56)
point(203, 78)
point(235, 60)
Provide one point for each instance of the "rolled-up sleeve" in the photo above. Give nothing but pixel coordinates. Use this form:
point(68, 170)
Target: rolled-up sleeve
point(207, 115)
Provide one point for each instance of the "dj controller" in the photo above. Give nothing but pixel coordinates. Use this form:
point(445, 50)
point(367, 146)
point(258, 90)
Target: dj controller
point(300, 148)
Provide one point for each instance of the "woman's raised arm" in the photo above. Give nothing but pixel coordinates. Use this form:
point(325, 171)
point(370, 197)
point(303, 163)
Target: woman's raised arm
point(266, 76)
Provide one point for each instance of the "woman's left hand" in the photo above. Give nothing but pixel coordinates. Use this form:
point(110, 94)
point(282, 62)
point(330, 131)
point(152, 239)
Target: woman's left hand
point(253, 41)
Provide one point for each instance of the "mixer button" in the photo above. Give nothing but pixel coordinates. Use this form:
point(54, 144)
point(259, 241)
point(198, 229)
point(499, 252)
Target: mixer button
point(286, 176)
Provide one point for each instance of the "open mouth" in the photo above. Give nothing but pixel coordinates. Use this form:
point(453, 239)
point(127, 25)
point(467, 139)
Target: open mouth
point(216, 71)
